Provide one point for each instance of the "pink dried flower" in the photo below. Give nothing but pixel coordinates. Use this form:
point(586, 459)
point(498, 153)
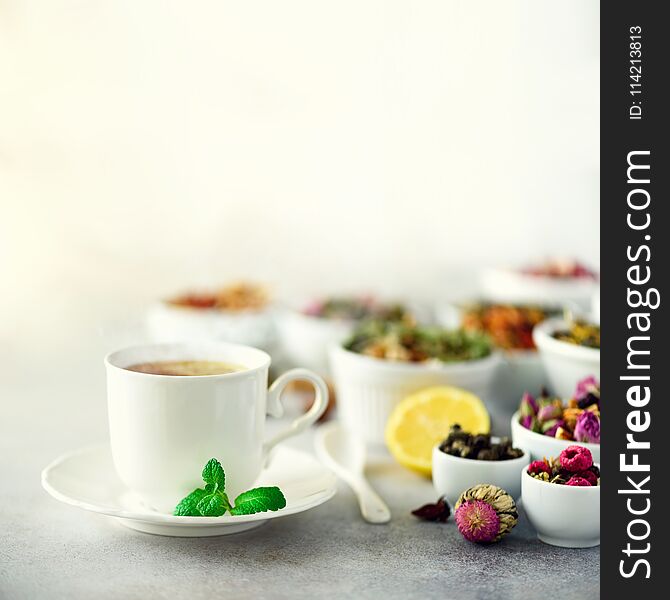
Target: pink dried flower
point(578, 481)
point(551, 427)
point(477, 521)
point(528, 422)
point(539, 466)
point(528, 406)
point(587, 428)
point(590, 476)
point(576, 458)
point(548, 412)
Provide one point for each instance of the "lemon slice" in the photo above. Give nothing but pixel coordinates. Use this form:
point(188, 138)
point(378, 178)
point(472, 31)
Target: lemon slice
point(423, 419)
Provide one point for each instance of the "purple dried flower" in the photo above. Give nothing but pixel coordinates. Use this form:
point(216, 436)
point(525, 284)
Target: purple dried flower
point(528, 422)
point(588, 385)
point(528, 406)
point(551, 427)
point(587, 428)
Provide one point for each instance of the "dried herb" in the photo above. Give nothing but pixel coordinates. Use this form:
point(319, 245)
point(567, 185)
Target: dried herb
point(479, 447)
point(434, 512)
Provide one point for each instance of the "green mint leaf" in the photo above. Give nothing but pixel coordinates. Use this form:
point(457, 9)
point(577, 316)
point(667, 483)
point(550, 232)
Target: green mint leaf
point(213, 473)
point(188, 505)
point(258, 500)
point(213, 505)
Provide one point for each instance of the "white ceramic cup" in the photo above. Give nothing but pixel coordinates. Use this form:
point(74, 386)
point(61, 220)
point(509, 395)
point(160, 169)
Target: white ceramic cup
point(164, 428)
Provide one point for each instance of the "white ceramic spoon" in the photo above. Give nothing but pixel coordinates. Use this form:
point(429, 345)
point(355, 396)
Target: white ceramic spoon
point(344, 454)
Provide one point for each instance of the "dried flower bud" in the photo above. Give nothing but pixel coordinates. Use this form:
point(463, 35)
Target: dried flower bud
point(539, 466)
point(590, 476)
point(588, 385)
point(587, 428)
point(578, 481)
point(528, 406)
point(550, 411)
point(576, 458)
point(485, 513)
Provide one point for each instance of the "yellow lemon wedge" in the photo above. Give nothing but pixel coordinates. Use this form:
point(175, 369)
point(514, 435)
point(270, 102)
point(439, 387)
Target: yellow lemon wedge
point(423, 419)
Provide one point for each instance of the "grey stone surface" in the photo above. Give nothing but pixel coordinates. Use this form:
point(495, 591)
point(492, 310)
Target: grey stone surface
point(53, 551)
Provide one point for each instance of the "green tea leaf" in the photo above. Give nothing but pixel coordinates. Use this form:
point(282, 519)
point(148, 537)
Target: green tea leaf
point(213, 505)
point(258, 500)
point(213, 473)
point(188, 505)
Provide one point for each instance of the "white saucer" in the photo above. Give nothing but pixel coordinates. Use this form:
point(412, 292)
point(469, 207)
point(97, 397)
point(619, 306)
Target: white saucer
point(86, 479)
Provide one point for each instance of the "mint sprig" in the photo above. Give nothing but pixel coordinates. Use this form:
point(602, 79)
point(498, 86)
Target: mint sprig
point(212, 500)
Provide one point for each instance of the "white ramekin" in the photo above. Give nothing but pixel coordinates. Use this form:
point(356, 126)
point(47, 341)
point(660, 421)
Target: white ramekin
point(368, 389)
point(562, 515)
point(543, 446)
point(168, 324)
point(565, 363)
point(452, 475)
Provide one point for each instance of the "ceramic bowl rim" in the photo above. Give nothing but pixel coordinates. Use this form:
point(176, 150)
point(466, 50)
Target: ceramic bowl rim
point(542, 336)
point(514, 423)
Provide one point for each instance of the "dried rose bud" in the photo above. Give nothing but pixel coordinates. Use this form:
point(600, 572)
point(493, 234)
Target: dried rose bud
point(528, 422)
point(551, 427)
point(485, 513)
point(588, 385)
point(576, 458)
point(587, 428)
point(528, 406)
point(434, 512)
point(548, 412)
point(578, 481)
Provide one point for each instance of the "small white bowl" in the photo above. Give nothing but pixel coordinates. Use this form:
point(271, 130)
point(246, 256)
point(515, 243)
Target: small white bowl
point(562, 515)
point(452, 475)
point(305, 339)
point(565, 363)
point(368, 389)
point(543, 446)
point(169, 323)
point(510, 285)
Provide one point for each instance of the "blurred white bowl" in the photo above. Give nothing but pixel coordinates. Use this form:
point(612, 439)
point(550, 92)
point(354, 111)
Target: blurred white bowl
point(169, 323)
point(563, 515)
point(452, 475)
point(565, 363)
point(509, 285)
point(368, 389)
point(543, 446)
point(519, 371)
point(305, 339)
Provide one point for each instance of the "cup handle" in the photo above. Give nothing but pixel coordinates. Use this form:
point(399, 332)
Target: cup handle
point(275, 408)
